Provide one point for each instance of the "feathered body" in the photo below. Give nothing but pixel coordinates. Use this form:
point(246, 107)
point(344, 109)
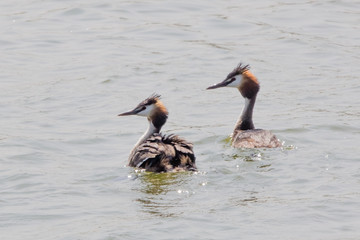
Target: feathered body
point(254, 138)
point(155, 152)
point(161, 153)
point(245, 135)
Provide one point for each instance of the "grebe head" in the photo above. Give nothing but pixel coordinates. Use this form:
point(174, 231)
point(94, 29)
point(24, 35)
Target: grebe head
point(242, 79)
point(152, 108)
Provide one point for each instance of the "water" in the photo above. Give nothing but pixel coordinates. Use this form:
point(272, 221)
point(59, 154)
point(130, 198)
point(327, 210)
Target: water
point(69, 67)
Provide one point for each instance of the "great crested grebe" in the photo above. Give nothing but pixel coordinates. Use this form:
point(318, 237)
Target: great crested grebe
point(155, 152)
point(245, 135)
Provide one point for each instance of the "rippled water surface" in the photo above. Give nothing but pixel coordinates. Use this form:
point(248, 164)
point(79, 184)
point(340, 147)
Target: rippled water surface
point(69, 67)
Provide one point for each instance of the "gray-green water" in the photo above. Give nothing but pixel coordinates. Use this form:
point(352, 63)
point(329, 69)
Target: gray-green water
point(68, 68)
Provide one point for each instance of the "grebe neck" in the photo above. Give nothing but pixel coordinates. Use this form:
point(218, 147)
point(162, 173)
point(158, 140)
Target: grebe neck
point(245, 121)
point(150, 131)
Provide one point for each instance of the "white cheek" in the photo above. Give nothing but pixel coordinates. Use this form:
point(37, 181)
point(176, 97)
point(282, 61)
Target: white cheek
point(236, 82)
point(146, 112)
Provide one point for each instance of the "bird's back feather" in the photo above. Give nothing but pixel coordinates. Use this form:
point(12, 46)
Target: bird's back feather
point(254, 138)
point(164, 153)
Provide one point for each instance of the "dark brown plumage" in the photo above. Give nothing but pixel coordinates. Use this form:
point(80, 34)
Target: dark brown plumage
point(160, 153)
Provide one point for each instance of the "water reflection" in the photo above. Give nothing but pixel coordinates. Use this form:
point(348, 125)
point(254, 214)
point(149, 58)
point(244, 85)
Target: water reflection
point(160, 183)
point(251, 197)
point(247, 155)
point(161, 194)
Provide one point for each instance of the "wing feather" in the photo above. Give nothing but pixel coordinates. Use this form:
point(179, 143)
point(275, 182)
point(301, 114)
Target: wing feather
point(164, 153)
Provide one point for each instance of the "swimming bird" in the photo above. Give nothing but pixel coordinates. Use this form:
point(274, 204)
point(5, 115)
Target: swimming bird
point(154, 151)
point(245, 135)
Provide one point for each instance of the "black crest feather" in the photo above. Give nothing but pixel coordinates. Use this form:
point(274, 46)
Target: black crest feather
point(151, 99)
point(238, 70)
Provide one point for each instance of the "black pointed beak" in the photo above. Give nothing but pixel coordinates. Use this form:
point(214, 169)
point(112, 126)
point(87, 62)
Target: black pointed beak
point(132, 112)
point(219, 85)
